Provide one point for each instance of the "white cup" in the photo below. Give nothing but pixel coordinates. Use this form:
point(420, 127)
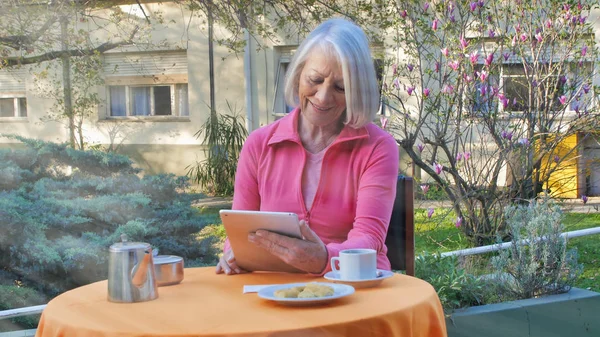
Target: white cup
point(356, 264)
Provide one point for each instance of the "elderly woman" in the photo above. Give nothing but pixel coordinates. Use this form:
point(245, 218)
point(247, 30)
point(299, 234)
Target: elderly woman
point(325, 161)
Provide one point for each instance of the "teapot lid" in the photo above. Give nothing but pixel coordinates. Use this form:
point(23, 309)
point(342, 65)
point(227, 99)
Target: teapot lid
point(125, 245)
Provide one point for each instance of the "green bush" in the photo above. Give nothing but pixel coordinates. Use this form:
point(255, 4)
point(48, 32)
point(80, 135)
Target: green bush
point(60, 210)
point(455, 287)
point(538, 263)
point(12, 296)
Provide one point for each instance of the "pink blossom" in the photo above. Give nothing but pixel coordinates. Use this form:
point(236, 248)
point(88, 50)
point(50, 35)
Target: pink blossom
point(459, 156)
point(444, 51)
point(539, 37)
point(467, 155)
point(584, 198)
point(458, 222)
point(506, 135)
point(425, 6)
point(447, 89)
point(396, 83)
point(383, 121)
point(584, 50)
point(514, 41)
point(566, 7)
point(426, 92)
point(431, 210)
point(473, 57)
point(434, 24)
point(489, 59)
point(563, 99)
point(483, 75)
point(468, 78)
point(556, 159)
point(438, 168)
point(518, 28)
point(420, 147)
point(463, 43)
point(437, 67)
point(524, 141)
point(395, 69)
point(483, 90)
point(549, 23)
point(524, 37)
point(425, 188)
point(403, 13)
point(453, 64)
point(409, 90)
point(473, 6)
point(582, 19)
point(491, 33)
point(506, 56)
point(579, 6)
point(410, 67)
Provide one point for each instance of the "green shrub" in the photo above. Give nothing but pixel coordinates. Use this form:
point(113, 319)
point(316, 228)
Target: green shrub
point(224, 136)
point(13, 296)
point(532, 266)
point(60, 210)
point(455, 287)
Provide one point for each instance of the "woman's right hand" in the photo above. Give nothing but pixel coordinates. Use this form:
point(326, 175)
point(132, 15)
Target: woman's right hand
point(228, 265)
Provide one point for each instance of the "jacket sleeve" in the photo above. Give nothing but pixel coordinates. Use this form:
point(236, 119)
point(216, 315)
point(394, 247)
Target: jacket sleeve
point(245, 192)
point(376, 194)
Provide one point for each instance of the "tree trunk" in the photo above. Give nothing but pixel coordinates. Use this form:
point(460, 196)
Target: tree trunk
point(66, 72)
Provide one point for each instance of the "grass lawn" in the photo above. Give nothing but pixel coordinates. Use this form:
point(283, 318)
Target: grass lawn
point(439, 234)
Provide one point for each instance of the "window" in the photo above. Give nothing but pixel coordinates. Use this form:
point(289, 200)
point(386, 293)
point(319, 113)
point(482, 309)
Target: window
point(13, 103)
point(148, 100)
point(148, 85)
point(13, 107)
point(280, 107)
point(513, 84)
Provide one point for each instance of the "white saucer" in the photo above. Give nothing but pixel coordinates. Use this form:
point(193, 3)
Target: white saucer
point(339, 291)
point(367, 283)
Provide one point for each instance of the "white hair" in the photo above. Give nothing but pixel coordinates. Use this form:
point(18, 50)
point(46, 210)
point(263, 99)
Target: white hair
point(349, 44)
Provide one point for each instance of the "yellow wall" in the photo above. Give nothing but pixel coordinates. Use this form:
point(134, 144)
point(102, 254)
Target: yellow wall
point(563, 182)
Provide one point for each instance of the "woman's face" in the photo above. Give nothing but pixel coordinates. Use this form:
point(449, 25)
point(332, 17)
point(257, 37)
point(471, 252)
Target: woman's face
point(321, 89)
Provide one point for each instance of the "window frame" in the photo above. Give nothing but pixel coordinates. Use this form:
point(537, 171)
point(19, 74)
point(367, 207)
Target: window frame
point(172, 81)
point(17, 97)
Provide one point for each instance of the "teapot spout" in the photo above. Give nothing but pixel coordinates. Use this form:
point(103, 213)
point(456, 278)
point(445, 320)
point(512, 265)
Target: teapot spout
point(140, 270)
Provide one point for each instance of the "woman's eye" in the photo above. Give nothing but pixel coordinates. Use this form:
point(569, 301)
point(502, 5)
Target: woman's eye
point(340, 89)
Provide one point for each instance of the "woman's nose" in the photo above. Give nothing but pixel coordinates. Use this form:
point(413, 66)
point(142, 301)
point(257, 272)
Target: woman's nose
point(323, 94)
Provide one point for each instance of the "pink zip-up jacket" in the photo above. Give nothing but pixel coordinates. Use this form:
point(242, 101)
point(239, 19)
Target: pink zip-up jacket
point(354, 199)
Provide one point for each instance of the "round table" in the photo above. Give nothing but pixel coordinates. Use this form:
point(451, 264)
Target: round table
point(207, 304)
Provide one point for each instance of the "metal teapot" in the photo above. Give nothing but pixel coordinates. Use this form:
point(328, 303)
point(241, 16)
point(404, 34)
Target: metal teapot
point(131, 276)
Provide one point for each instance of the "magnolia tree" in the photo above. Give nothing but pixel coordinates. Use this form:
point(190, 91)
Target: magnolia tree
point(486, 96)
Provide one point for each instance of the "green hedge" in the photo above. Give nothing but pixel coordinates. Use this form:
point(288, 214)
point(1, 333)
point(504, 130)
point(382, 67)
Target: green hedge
point(60, 210)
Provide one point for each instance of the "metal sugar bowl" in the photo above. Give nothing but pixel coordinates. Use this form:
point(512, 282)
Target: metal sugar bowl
point(131, 276)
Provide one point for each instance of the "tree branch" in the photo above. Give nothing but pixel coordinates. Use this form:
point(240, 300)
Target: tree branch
point(14, 61)
point(19, 41)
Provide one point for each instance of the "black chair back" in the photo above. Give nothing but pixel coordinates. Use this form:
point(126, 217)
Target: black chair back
point(400, 240)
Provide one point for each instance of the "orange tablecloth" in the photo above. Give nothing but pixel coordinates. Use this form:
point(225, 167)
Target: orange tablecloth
point(206, 304)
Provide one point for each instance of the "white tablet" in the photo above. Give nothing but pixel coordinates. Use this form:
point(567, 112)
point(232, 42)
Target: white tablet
point(238, 224)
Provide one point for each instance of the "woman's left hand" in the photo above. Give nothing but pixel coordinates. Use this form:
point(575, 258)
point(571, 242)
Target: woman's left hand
point(309, 255)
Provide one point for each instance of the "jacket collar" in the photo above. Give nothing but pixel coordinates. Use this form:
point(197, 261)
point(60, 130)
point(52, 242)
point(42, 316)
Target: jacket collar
point(287, 130)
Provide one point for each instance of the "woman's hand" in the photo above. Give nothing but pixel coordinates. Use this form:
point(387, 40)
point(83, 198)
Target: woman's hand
point(227, 264)
point(309, 255)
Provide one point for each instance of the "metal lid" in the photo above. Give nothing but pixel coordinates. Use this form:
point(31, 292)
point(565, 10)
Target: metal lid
point(127, 246)
point(164, 259)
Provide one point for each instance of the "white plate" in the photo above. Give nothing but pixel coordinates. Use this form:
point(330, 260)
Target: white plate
point(368, 283)
point(339, 290)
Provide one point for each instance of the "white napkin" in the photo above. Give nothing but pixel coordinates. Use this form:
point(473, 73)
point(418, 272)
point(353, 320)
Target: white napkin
point(254, 288)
